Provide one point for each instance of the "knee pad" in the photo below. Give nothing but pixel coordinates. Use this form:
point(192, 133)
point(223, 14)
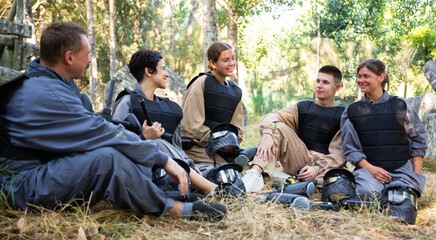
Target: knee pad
point(338, 184)
point(401, 203)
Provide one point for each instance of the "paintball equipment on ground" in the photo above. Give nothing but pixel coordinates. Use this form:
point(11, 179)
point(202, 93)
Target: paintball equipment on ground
point(325, 206)
point(338, 184)
point(130, 122)
point(294, 200)
point(166, 183)
point(226, 177)
point(301, 188)
point(401, 203)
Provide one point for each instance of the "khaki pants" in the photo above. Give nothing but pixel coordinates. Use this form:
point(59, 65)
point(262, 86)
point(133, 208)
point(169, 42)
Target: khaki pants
point(291, 152)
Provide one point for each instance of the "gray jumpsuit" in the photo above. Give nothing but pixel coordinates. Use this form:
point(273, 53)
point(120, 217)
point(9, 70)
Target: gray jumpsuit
point(103, 160)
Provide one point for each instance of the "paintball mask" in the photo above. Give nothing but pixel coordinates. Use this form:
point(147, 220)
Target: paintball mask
point(165, 182)
point(401, 203)
point(222, 135)
point(226, 177)
point(338, 184)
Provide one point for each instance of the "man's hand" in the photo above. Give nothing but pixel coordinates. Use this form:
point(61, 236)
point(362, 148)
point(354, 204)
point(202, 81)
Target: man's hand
point(266, 148)
point(307, 173)
point(178, 174)
point(154, 131)
point(381, 175)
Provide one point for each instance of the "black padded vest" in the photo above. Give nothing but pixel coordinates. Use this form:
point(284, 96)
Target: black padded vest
point(164, 111)
point(318, 125)
point(381, 132)
point(220, 101)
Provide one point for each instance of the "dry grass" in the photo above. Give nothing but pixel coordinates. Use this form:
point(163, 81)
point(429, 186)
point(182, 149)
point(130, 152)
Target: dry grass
point(247, 219)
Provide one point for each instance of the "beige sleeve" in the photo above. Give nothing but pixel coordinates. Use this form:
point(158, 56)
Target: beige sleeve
point(288, 116)
point(333, 160)
point(193, 113)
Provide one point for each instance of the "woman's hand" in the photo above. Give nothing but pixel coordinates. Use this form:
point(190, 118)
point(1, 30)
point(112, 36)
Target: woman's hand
point(266, 148)
point(178, 174)
point(307, 173)
point(381, 175)
point(152, 132)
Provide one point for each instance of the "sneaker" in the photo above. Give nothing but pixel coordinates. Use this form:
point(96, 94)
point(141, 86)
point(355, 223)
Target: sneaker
point(208, 211)
point(253, 181)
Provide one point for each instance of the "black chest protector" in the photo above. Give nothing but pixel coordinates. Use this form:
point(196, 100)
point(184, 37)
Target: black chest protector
point(220, 101)
point(164, 111)
point(381, 132)
point(318, 125)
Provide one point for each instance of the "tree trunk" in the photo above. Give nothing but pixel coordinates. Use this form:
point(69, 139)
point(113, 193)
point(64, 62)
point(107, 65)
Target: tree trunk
point(232, 38)
point(210, 30)
point(172, 27)
point(191, 19)
point(93, 77)
point(136, 22)
point(112, 47)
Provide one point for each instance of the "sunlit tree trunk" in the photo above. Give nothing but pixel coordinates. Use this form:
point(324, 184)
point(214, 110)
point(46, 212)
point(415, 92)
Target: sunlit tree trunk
point(191, 19)
point(210, 30)
point(93, 76)
point(112, 40)
point(232, 38)
point(136, 22)
point(172, 27)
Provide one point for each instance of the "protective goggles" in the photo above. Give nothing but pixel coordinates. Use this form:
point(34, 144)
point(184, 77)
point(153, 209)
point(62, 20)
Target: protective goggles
point(397, 196)
point(226, 173)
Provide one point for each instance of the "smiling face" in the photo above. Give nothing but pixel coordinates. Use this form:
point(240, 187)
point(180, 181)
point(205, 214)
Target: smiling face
point(368, 81)
point(325, 86)
point(224, 66)
point(159, 78)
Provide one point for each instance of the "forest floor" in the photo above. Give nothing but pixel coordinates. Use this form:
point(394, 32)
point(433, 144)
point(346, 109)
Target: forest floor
point(246, 219)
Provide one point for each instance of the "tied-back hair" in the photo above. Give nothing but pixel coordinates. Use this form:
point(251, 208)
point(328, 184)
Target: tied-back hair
point(332, 70)
point(142, 59)
point(214, 51)
point(58, 38)
point(377, 67)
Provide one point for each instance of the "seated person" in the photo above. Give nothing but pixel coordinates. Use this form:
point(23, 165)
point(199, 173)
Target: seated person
point(304, 137)
point(382, 136)
point(148, 68)
point(212, 100)
point(57, 151)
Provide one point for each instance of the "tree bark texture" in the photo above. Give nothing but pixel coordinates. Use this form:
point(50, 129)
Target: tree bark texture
point(112, 39)
point(232, 38)
point(210, 30)
point(93, 70)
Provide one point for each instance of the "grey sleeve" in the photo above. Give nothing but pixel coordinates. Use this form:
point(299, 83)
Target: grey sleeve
point(31, 124)
point(121, 108)
point(415, 130)
point(351, 146)
point(177, 143)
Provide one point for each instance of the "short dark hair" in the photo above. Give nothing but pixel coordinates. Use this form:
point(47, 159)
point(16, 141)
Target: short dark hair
point(377, 67)
point(58, 38)
point(214, 51)
point(332, 70)
point(142, 59)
